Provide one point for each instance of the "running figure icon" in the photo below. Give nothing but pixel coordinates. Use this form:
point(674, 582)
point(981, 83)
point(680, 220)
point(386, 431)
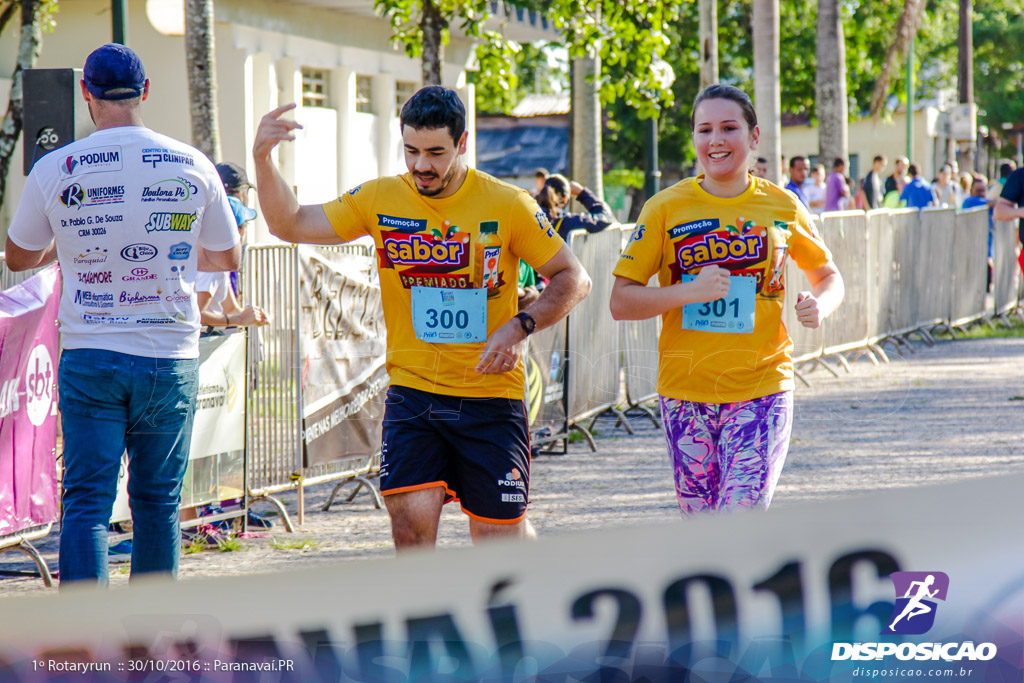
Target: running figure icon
point(915, 606)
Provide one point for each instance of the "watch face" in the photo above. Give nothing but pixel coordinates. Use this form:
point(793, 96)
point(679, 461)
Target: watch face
point(527, 321)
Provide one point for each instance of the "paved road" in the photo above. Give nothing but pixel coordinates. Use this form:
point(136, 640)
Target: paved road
point(945, 413)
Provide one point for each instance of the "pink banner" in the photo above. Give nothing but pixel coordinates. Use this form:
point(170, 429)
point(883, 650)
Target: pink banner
point(28, 411)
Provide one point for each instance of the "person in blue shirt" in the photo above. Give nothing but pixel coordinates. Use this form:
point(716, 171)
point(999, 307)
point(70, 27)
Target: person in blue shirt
point(979, 189)
point(916, 193)
point(798, 168)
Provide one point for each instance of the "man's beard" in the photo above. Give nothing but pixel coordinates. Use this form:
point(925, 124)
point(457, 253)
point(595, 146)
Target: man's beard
point(444, 184)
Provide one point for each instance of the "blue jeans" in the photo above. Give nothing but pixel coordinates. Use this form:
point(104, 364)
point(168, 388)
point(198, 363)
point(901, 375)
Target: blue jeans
point(111, 402)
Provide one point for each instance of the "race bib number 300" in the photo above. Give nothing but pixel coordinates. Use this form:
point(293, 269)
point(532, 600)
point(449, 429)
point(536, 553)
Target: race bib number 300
point(733, 314)
point(449, 316)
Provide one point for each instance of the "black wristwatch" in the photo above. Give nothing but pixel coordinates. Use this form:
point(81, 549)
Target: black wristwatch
point(527, 322)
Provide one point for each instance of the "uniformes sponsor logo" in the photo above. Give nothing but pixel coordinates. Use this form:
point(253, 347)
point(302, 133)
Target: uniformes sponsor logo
point(84, 297)
point(914, 614)
point(74, 196)
point(139, 252)
point(163, 221)
point(171, 190)
point(91, 257)
point(139, 275)
point(101, 277)
point(92, 160)
point(159, 155)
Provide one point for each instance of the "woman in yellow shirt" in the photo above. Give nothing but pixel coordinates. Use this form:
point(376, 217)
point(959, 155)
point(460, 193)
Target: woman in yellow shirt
point(719, 244)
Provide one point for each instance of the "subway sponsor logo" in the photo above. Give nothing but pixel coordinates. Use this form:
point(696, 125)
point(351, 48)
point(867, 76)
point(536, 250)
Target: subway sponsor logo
point(720, 248)
point(174, 222)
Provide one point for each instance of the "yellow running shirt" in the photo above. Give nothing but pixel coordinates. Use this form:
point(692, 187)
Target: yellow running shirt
point(683, 228)
point(428, 242)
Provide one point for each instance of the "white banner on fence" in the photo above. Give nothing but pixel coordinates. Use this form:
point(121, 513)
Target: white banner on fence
point(219, 425)
point(775, 595)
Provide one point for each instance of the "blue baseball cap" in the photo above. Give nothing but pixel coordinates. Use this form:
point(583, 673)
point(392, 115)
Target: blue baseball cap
point(114, 72)
point(243, 214)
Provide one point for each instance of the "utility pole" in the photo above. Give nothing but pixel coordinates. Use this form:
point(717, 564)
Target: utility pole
point(965, 76)
point(119, 20)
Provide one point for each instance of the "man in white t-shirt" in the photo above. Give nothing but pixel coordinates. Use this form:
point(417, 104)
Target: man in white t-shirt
point(130, 215)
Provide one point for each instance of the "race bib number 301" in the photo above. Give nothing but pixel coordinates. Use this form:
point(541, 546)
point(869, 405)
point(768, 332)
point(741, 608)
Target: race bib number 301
point(733, 314)
point(449, 316)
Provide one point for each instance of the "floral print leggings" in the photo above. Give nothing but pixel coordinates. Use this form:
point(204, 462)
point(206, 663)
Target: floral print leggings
point(727, 455)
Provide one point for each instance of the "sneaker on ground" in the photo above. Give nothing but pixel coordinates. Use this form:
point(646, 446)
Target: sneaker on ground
point(258, 521)
point(120, 552)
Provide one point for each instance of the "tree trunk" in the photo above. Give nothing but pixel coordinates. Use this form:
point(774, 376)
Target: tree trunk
point(586, 124)
point(830, 84)
point(708, 42)
point(28, 54)
point(906, 27)
point(202, 77)
point(432, 24)
point(767, 97)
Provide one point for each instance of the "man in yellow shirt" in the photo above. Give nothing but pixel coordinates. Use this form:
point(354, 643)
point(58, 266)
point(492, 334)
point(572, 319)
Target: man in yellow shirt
point(449, 240)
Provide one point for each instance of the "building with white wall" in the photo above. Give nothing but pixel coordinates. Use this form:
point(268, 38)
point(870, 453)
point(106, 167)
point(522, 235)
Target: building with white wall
point(335, 58)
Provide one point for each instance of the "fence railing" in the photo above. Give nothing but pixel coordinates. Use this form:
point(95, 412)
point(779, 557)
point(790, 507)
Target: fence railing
point(905, 271)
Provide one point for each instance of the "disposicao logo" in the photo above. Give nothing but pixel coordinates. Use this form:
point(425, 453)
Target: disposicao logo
point(914, 614)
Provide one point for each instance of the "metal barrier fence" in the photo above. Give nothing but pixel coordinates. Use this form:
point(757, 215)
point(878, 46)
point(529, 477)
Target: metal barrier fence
point(594, 363)
point(1006, 272)
point(275, 461)
point(970, 267)
point(846, 235)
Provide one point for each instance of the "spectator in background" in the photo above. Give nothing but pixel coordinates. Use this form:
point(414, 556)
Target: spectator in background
point(916, 193)
point(837, 192)
point(872, 185)
point(995, 190)
point(554, 198)
point(797, 175)
point(815, 190)
point(215, 291)
point(898, 179)
point(945, 190)
point(967, 184)
point(976, 198)
point(761, 167)
point(539, 176)
point(237, 185)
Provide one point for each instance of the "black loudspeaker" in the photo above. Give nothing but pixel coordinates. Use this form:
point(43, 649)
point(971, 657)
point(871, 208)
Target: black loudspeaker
point(53, 112)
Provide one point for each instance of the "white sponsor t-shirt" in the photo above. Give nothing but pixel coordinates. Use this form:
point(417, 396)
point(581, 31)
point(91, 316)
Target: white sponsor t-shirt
point(127, 207)
point(217, 285)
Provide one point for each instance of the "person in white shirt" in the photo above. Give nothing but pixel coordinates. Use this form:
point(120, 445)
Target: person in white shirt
point(131, 215)
point(218, 304)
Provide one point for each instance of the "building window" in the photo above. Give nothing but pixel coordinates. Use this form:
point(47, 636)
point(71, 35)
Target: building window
point(364, 94)
point(314, 87)
point(403, 91)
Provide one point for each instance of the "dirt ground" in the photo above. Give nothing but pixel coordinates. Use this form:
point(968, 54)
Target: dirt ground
point(941, 414)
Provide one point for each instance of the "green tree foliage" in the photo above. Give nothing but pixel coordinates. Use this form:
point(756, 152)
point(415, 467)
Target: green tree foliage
point(998, 67)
